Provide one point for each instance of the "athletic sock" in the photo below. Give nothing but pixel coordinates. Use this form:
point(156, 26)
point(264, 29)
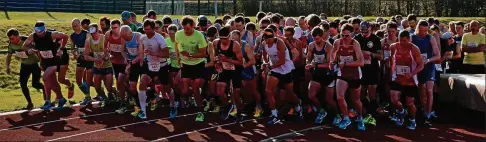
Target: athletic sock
point(274, 112)
point(142, 96)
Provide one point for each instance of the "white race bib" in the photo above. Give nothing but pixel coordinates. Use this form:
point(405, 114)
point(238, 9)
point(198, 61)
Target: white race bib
point(80, 50)
point(46, 54)
point(387, 53)
point(228, 66)
point(173, 55)
point(346, 58)
point(424, 56)
point(21, 54)
point(367, 61)
point(98, 54)
point(472, 44)
point(319, 58)
point(402, 70)
point(133, 51)
point(438, 67)
point(154, 66)
point(116, 47)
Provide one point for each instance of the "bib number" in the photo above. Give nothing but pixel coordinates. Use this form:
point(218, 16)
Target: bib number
point(21, 54)
point(319, 58)
point(274, 59)
point(424, 56)
point(228, 66)
point(154, 66)
point(46, 54)
point(98, 54)
point(133, 51)
point(173, 55)
point(402, 70)
point(116, 48)
point(472, 44)
point(80, 50)
point(346, 59)
point(438, 67)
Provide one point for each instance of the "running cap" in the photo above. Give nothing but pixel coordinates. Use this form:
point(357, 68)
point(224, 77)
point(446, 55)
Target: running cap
point(298, 32)
point(365, 25)
point(447, 35)
point(202, 20)
point(125, 15)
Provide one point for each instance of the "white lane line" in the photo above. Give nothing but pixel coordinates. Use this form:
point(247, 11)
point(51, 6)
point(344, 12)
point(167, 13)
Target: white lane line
point(34, 110)
point(204, 129)
point(53, 121)
point(294, 133)
point(115, 127)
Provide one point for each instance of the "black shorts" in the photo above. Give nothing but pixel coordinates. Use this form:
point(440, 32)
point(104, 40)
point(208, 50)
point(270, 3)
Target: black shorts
point(135, 71)
point(163, 73)
point(283, 78)
point(371, 75)
point(64, 57)
point(233, 75)
point(193, 71)
point(210, 74)
point(324, 77)
point(298, 74)
point(82, 63)
point(103, 71)
point(352, 83)
point(408, 91)
point(45, 63)
point(173, 69)
point(119, 68)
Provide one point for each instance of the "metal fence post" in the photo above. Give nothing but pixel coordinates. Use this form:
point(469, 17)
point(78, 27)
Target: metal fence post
point(144, 5)
point(223, 7)
point(172, 6)
point(198, 7)
point(45, 5)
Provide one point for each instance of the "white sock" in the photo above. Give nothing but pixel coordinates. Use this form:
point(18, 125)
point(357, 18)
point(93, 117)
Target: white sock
point(274, 112)
point(142, 96)
point(298, 108)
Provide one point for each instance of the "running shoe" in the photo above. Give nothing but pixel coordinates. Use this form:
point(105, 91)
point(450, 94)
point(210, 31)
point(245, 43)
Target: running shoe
point(200, 117)
point(234, 111)
point(142, 115)
point(84, 88)
point(428, 122)
point(344, 123)
point(433, 115)
point(320, 116)
point(216, 109)
point(121, 110)
point(337, 119)
point(61, 104)
point(361, 126)
point(154, 105)
point(273, 120)
point(135, 112)
point(258, 113)
point(86, 101)
point(208, 105)
point(369, 119)
point(412, 124)
point(173, 112)
point(300, 114)
point(400, 117)
point(47, 106)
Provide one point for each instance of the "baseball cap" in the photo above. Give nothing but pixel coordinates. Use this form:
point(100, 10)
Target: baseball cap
point(365, 25)
point(92, 29)
point(202, 20)
point(447, 35)
point(125, 15)
point(298, 32)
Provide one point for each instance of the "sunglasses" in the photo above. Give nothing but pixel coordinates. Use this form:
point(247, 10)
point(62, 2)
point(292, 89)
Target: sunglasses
point(346, 35)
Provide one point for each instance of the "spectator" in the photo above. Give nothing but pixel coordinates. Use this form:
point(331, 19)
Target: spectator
point(473, 44)
point(133, 18)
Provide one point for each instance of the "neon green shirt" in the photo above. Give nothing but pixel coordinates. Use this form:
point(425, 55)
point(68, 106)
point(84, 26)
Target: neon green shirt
point(190, 44)
point(172, 53)
point(473, 40)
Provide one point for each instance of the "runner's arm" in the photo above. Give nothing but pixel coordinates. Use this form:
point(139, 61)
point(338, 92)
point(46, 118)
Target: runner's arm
point(27, 43)
point(334, 51)
point(9, 57)
point(328, 52)
point(60, 36)
point(211, 55)
point(87, 50)
point(141, 49)
point(469, 49)
point(392, 57)
point(239, 55)
point(295, 55)
point(436, 51)
point(379, 54)
point(124, 49)
point(310, 53)
point(418, 60)
point(458, 52)
point(251, 57)
point(164, 50)
point(249, 38)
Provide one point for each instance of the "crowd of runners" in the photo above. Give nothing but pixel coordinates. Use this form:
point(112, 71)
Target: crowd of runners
point(348, 68)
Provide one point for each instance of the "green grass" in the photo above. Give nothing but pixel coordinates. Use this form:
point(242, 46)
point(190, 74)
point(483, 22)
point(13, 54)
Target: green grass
point(12, 97)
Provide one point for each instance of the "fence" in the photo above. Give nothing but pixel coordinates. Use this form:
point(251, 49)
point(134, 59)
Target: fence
point(82, 6)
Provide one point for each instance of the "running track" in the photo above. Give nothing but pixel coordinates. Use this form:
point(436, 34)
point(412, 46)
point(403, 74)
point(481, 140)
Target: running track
point(96, 124)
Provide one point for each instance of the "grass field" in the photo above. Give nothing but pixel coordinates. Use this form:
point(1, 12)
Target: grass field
point(12, 97)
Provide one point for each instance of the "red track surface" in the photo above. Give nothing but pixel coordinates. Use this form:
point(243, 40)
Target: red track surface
point(73, 125)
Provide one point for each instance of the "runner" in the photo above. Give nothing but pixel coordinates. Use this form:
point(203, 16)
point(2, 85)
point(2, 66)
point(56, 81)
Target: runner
point(133, 19)
point(412, 22)
point(155, 66)
point(372, 53)
point(280, 67)
point(318, 62)
point(62, 68)
point(50, 57)
point(210, 73)
point(166, 21)
point(457, 59)
point(104, 25)
point(191, 46)
point(249, 73)
point(247, 36)
point(406, 63)
point(473, 45)
point(356, 22)
point(386, 76)
point(298, 58)
point(151, 15)
point(133, 46)
point(113, 41)
point(430, 55)
point(84, 71)
point(85, 24)
point(229, 60)
point(102, 66)
point(174, 71)
point(349, 74)
point(28, 64)
point(202, 24)
point(125, 16)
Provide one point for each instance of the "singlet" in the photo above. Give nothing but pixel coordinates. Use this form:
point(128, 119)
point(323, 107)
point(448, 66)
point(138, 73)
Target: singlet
point(19, 52)
point(348, 55)
point(79, 40)
point(155, 44)
point(251, 69)
point(228, 53)
point(172, 53)
point(426, 51)
point(404, 63)
point(98, 51)
point(273, 54)
point(132, 47)
point(320, 57)
point(46, 46)
point(116, 49)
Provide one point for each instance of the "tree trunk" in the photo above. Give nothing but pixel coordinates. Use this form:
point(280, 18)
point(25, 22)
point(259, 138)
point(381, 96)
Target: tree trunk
point(399, 7)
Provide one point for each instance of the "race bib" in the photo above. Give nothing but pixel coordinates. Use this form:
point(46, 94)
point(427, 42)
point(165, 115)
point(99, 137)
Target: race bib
point(46, 54)
point(116, 48)
point(173, 55)
point(438, 67)
point(80, 50)
point(402, 70)
point(319, 58)
point(274, 59)
point(133, 51)
point(367, 61)
point(98, 54)
point(424, 56)
point(21, 54)
point(387, 53)
point(228, 66)
point(346, 59)
point(154, 66)
point(472, 44)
